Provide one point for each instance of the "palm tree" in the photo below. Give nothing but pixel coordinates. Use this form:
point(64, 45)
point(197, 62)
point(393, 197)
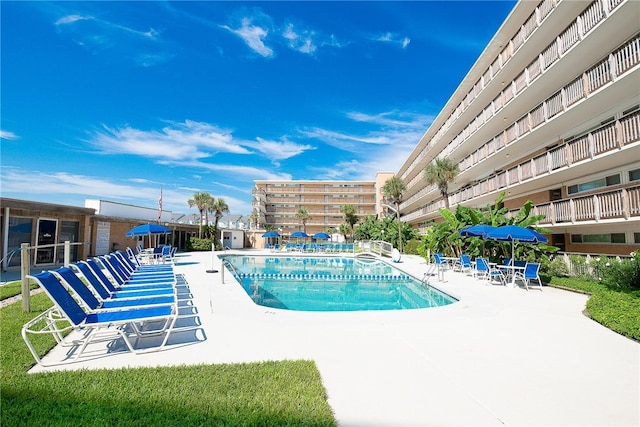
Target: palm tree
point(253, 218)
point(201, 200)
point(350, 216)
point(393, 189)
point(442, 172)
point(219, 207)
point(303, 216)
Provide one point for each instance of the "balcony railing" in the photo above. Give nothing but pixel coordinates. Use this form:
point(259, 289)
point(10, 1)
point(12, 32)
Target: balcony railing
point(606, 71)
point(607, 138)
point(621, 203)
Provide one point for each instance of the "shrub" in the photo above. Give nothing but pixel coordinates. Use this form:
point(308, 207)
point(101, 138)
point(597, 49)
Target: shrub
point(411, 247)
point(622, 274)
point(197, 244)
point(557, 268)
point(580, 267)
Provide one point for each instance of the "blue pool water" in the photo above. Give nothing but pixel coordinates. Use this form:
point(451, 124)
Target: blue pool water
point(331, 284)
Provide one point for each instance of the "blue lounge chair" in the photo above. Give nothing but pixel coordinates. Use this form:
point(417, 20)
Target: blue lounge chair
point(130, 267)
point(123, 277)
point(135, 263)
point(67, 315)
point(96, 303)
point(116, 288)
point(531, 272)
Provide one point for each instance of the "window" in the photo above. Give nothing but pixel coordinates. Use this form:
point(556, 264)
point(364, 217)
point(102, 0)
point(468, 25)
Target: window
point(634, 175)
point(636, 237)
point(592, 185)
point(599, 238)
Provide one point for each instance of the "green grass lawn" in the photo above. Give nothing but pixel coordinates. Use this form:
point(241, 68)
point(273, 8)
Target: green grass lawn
point(288, 393)
point(12, 289)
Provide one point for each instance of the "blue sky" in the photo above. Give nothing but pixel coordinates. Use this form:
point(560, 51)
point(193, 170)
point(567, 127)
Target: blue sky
point(115, 100)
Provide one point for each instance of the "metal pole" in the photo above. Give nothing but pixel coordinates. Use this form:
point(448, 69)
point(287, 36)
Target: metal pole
point(213, 255)
point(24, 270)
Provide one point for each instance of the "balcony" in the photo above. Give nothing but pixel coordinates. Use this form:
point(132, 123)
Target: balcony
point(622, 204)
point(618, 63)
point(606, 139)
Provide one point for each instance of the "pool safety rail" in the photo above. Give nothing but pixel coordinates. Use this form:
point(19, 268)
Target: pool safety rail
point(320, 276)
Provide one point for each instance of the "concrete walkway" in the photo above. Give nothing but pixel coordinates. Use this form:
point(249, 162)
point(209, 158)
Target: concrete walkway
point(499, 356)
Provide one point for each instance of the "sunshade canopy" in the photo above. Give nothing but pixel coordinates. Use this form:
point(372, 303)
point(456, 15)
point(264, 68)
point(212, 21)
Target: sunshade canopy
point(147, 229)
point(321, 235)
point(299, 234)
point(271, 234)
point(511, 233)
point(478, 230)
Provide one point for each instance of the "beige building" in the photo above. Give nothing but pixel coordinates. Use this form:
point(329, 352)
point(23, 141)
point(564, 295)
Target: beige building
point(276, 202)
point(549, 112)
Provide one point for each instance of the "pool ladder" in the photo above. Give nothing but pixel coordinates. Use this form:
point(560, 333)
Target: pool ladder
point(231, 268)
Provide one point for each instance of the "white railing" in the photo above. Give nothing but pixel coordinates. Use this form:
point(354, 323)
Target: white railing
point(621, 203)
point(622, 60)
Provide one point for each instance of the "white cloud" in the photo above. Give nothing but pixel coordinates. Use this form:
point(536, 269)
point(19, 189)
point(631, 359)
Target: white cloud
point(393, 38)
point(300, 41)
point(73, 189)
point(238, 171)
point(5, 134)
point(181, 141)
point(70, 19)
point(279, 150)
point(253, 36)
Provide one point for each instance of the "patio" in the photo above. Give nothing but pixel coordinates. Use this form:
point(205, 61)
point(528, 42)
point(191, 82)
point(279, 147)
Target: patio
point(499, 356)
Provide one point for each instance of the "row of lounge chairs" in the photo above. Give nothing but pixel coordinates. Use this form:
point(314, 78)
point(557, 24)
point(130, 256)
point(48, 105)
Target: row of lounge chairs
point(112, 298)
point(481, 268)
point(312, 247)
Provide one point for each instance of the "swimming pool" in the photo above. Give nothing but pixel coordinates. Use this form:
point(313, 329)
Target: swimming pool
point(331, 284)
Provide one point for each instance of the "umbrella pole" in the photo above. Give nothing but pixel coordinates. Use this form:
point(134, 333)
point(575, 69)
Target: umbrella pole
point(213, 254)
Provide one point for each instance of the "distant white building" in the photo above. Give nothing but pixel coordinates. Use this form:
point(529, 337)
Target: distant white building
point(123, 210)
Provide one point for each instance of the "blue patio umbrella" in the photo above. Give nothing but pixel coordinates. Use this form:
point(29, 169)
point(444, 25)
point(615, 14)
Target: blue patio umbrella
point(148, 229)
point(513, 234)
point(321, 235)
point(299, 234)
point(478, 230)
point(270, 235)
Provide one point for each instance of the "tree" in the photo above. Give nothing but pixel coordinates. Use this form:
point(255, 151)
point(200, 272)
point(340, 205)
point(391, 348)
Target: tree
point(303, 216)
point(393, 189)
point(219, 207)
point(253, 218)
point(350, 216)
point(441, 172)
point(201, 200)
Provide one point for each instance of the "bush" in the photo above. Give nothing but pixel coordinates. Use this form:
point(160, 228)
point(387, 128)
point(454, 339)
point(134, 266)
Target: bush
point(557, 268)
point(411, 247)
point(580, 267)
point(623, 274)
point(197, 244)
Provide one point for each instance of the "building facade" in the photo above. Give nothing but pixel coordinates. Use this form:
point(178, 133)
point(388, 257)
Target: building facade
point(45, 227)
point(549, 113)
point(276, 203)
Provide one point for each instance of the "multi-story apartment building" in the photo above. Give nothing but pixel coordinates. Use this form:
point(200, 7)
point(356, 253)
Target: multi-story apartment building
point(549, 112)
point(277, 202)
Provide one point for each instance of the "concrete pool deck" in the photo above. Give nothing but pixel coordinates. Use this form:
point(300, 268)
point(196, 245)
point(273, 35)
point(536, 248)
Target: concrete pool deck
point(499, 356)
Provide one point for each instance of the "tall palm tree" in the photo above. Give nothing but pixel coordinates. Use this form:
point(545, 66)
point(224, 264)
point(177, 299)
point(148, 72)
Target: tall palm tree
point(219, 207)
point(200, 200)
point(350, 216)
point(303, 216)
point(393, 189)
point(441, 172)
